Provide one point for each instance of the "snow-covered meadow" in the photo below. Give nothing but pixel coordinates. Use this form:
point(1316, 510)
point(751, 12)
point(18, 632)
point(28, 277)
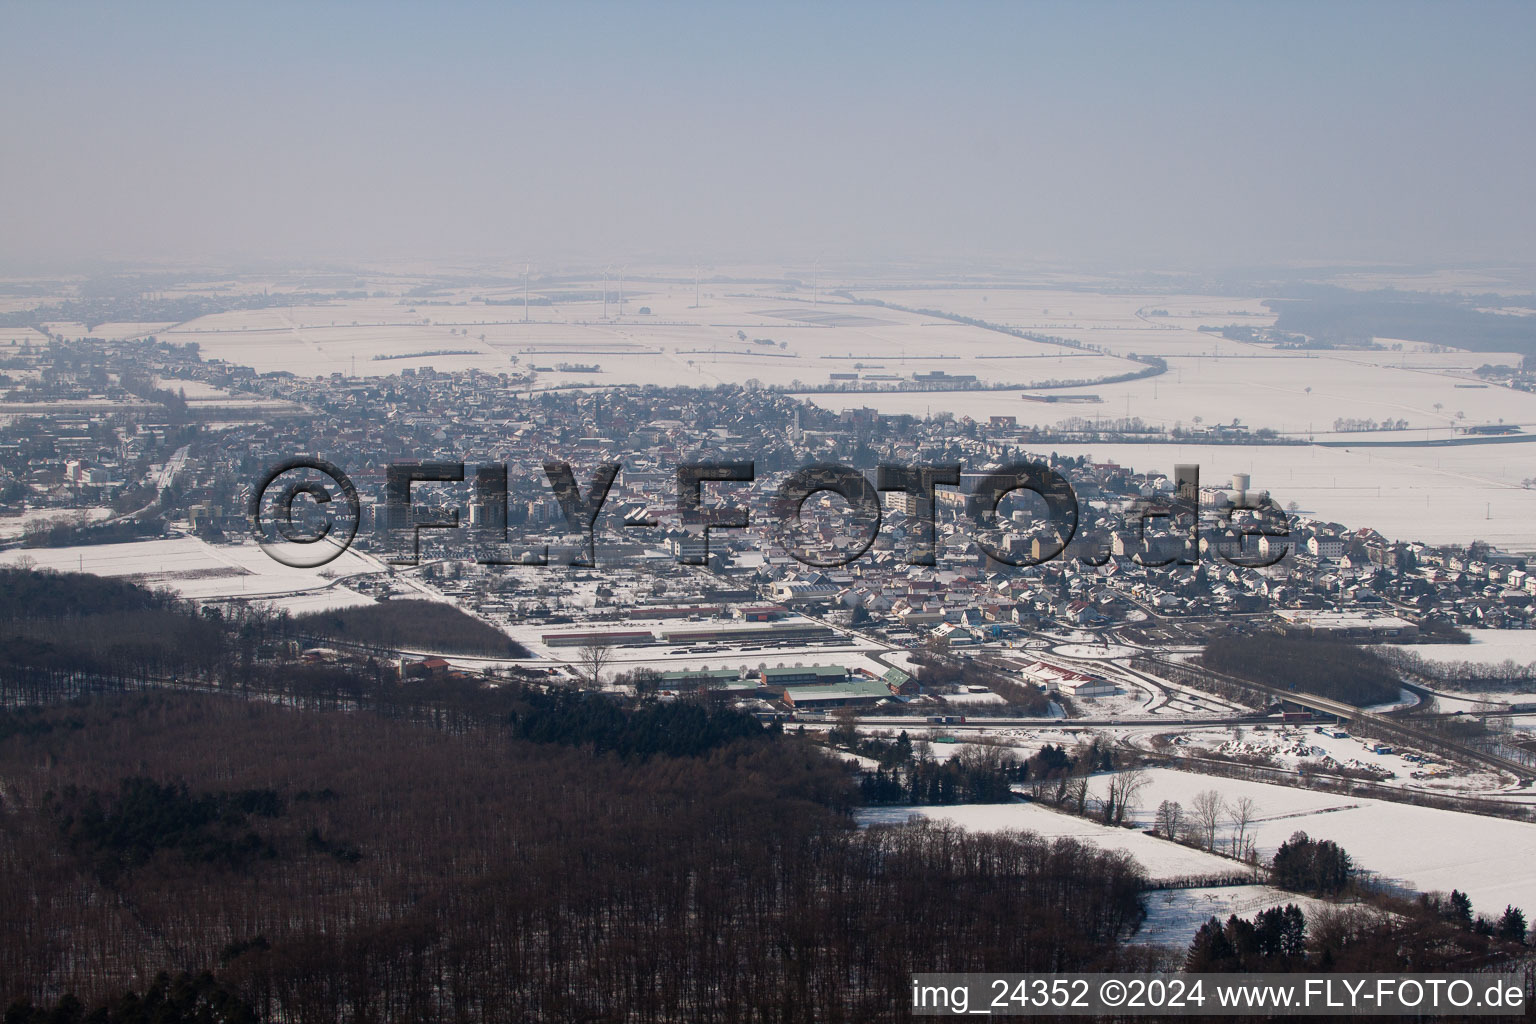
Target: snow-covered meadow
point(1436, 495)
point(729, 338)
point(197, 570)
point(1160, 859)
point(1491, 859)
point(1488, 647)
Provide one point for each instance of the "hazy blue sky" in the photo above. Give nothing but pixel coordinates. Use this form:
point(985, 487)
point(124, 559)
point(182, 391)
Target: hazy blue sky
point(1146, 135)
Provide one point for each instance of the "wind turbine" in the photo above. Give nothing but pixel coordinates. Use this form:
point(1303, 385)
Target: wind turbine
point(695, 286)
point(525, 292)
point(621, 289)
point(816, 282)
point(605, 292)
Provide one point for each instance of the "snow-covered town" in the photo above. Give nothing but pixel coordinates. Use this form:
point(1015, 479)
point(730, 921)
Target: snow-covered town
point(628, 515)
point(1012, 640)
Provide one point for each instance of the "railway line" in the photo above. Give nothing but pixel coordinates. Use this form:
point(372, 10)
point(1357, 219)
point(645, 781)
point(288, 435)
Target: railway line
point(1382, 723)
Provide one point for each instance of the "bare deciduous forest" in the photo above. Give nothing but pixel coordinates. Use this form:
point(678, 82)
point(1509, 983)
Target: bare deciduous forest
point(410, 624)
point(1328, 668)
point(332, 866)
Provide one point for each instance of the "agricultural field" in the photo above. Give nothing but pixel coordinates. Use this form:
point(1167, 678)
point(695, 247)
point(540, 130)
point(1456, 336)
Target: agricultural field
point(1488, 647)
point(199, 571)
point(1491, 859)
point(1161, 860)
point(729, 339)
point(15, 526)
point(16, 337)
point(1292, 392)
point(1434, 495)
point(777, 335)
point(1300, 395)
point(121, 331)
point(202, 397)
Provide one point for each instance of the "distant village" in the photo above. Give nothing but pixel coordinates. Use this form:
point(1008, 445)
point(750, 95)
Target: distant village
point(126, 440)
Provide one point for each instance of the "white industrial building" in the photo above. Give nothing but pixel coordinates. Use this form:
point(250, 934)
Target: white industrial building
point(1056, 679)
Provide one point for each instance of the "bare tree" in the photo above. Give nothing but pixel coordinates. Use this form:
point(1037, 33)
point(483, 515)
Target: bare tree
point(1170, 819)
point(1206, 814)
point(980, 757)
point(1077, 784)
point(1123, 787)
point(592, 657)
point(1241, 813)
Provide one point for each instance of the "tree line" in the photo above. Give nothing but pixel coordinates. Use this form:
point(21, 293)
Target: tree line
point(1507, 676)
point(1275, 940)
point(1432, 933)
point(976, 774)
point(409, 625)
point(67, 634)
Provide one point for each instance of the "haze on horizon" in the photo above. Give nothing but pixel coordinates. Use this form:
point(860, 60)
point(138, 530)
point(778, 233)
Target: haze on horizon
point(1211, 136)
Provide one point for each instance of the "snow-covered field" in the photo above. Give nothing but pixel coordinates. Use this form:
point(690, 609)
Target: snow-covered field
point(1216, 379)
point(1161, 859)
point(1201, 364)
point(773, 333)
point(1488, 647)
point(760, 332)
point(16, 337)
point(1437, 495)
point(1095, 651)
point(12, 527)
point(1491, 859)
point(1256, 391)
point(203, 397)
point(115, 331)
point(197, 570)
point(327, 600)
point(730, 338)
